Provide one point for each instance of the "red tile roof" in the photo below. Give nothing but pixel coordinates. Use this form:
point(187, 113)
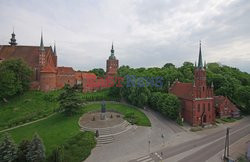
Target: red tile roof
point(220, 99)
point(182, 90)
point(30, 54)
point(48, 69)
point(65, 70)
point(89, 76)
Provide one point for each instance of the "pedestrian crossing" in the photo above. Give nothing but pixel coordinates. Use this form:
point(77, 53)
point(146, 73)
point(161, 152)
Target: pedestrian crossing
point(158, 155)
point(147, 158)
point(153, 157)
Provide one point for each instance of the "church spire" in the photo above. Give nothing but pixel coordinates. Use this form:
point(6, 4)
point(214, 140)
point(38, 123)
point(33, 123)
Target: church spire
point(13, 39)
point(55, 48)
point(112, 49)
point(200, 64)
point(41, 43)
point(112, 56)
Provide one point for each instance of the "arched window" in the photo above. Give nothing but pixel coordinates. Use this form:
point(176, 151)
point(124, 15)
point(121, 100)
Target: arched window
point(198, 107)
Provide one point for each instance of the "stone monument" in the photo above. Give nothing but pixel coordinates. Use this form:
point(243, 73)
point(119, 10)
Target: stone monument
point(103, 111)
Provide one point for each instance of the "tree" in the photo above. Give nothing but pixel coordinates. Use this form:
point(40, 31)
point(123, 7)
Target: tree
point(166, 104)
point(15, 77)
point(8, 83)
point(243, 96)
point(98, 72)
point(187, 70)
point(57, 155)
point(169, 65)
point(36, 150)
point(69, 101)
point(8, 149)
point(22, 152)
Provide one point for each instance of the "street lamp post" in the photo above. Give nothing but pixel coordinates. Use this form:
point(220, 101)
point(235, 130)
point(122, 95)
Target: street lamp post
point(149, 146)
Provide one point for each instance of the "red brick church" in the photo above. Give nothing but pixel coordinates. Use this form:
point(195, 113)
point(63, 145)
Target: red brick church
point(47, 75)
point(199, 105)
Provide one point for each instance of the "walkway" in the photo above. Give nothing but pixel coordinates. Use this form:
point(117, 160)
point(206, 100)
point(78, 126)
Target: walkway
point(134, 142)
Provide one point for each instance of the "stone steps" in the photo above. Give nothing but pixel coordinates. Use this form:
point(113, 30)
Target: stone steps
point(106, 135)
point(104, 140)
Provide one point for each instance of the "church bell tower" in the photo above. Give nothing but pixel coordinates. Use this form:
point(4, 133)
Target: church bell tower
point(112, 64)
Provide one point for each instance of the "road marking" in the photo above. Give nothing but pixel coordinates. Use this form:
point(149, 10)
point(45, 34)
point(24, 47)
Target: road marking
point(146, 160)
point(158, 155)
point(142, 158)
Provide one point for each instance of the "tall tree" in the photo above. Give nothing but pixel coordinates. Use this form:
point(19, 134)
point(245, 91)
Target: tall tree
point(69, 101)
point(36, 151)
point(23, 150)
point(15, 77)
point(57, 155)
point(8, 149)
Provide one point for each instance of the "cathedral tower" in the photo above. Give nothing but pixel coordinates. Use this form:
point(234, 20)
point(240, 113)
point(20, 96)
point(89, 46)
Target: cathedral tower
point(13, 39)
point(112, 63)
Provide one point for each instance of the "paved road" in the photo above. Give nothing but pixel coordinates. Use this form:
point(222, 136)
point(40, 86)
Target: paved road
point(212, 149)
point(157, 120)
point(237, 131)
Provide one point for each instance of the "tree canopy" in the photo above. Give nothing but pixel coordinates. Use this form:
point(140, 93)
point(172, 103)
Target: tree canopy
point(99, 72)
point(228, 81)
point(69, 100)
point(15, 77)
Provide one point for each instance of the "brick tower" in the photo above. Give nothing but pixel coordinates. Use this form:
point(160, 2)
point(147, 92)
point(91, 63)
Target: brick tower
point(197, 98)
point(202, 96)
point(112, 63)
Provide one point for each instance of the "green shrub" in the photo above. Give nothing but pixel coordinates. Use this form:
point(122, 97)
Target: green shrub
point(76, 149)
point(195, 129)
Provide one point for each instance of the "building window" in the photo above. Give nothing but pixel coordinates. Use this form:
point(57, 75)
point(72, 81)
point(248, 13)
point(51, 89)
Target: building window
point(198, 107)
point(204, 107)
point(208, 106)
point(203, 89)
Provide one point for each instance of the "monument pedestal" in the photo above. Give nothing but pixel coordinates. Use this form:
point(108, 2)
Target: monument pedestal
point(103, 116)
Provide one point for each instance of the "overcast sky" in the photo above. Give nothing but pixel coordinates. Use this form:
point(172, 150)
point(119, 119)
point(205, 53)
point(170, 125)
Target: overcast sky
point(145, 33)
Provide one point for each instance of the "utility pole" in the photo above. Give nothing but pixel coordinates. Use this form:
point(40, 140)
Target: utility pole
point(226, 151)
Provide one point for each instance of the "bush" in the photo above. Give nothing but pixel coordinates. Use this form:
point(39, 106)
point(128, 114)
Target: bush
point(50, 97)
point(79, 147)
point(166, 104)
point(179, 121)
point(195, 129)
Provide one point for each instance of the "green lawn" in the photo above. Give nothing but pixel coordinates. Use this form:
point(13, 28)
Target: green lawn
point(98, 96)
point(141, 118)
point(30, 106)
point(33, 105)
point(54, 131)
point(58, 129)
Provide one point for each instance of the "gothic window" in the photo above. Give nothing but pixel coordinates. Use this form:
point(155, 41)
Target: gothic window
point(203, 89)
point(204, 106)
point(208, 106)
point(198, 107)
